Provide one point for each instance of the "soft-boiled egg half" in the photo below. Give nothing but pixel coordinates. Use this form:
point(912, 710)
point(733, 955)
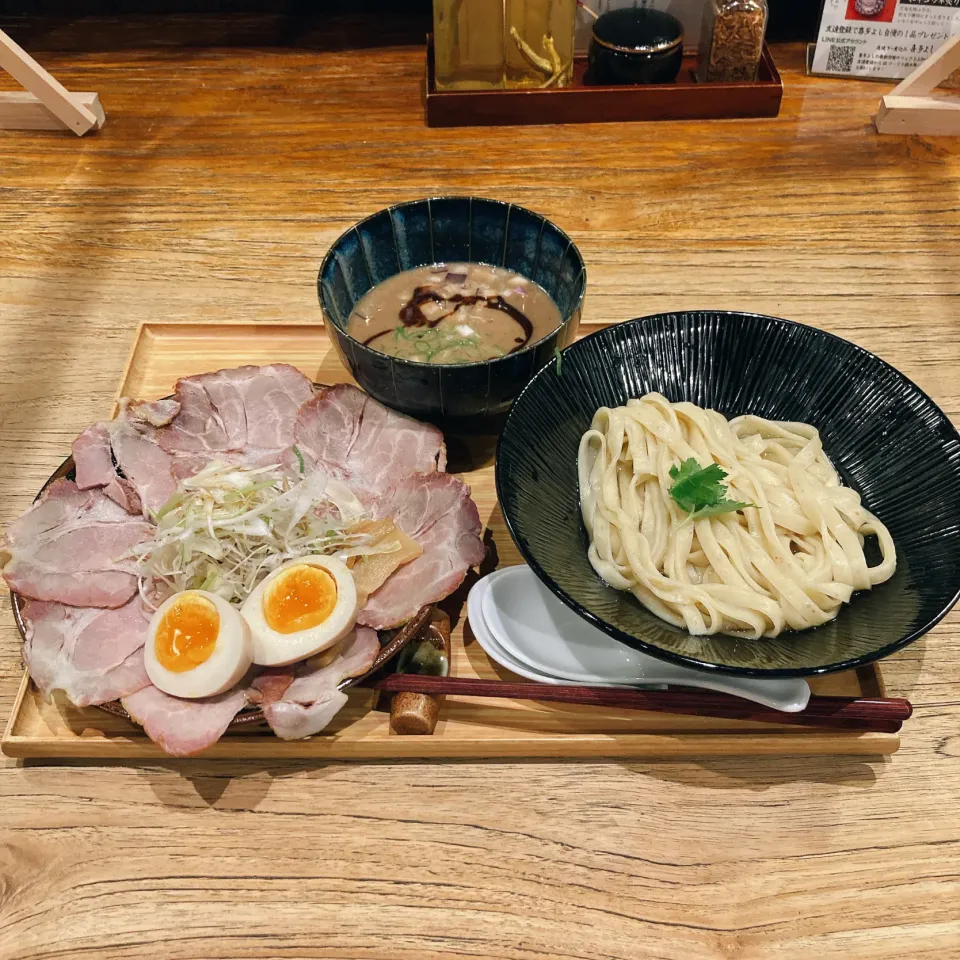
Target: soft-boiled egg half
point(301, 608)
point(198, 645)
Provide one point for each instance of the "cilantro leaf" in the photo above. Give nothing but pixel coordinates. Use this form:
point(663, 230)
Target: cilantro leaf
point(696, 487)
point(724, 506)
point(700, 491)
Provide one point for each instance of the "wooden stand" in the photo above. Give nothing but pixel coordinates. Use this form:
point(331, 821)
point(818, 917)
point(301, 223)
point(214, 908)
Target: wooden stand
point(46, 104)
point(909, 108)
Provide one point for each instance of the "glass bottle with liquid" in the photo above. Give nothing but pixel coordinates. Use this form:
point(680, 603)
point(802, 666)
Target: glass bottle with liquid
point(488, 44)
point(468, 44)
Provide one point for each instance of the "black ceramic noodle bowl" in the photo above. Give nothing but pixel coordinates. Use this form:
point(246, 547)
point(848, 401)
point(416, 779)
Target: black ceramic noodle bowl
point(463, 397)
point(887, 439)
point(635, 45)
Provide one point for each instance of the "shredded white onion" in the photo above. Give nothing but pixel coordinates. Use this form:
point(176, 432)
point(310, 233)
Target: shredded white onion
point(227, 527)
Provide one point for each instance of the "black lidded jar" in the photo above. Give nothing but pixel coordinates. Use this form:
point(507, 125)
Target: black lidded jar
point(635, 45)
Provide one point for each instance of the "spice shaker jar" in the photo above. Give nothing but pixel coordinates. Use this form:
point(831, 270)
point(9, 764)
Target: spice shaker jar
point(732, 38)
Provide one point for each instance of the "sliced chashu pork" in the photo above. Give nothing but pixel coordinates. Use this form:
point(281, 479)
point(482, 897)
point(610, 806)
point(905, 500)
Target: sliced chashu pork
point(437, 512)
point(129, 465)
point(244, 415)
point(67, 548)
point(147, 414)
point(349, 435)
point(300, 701)
point(95, 467)
point(184, 727)
point(91, 654)
point(297, 701)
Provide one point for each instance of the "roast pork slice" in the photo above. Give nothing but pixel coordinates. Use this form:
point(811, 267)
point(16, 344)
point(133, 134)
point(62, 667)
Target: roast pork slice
point(245, 415)
point(124, 493)
point(269, 685)
point(93, 458)
point(67, 546)
point(147, 415)
point(311, 700)
point(437, 512)
point(144, 480)
point(144, 464)
point(183, 727)
point(351, 436)
point(91, 654)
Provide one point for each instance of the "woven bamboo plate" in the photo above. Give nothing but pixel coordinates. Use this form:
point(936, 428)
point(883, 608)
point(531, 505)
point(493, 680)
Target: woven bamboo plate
point(476, 728)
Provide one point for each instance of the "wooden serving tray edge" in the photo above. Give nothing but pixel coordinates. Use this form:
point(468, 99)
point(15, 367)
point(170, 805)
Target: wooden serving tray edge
point(579, 103)
point(468, 729)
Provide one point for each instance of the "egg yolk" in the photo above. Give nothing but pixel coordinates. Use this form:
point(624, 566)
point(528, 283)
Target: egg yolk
point(187, 634)
point(299, 598)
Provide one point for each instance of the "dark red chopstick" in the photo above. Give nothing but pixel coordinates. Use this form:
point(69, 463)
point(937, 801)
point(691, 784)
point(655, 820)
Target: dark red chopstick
point(847, 713)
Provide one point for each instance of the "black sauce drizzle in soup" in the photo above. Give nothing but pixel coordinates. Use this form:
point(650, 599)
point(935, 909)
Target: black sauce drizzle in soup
point(453, 313)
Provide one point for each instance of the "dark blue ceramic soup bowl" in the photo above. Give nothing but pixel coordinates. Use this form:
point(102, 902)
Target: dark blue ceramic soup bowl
point(458, 397)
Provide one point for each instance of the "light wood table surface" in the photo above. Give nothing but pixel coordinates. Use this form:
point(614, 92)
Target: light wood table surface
point(212, 192)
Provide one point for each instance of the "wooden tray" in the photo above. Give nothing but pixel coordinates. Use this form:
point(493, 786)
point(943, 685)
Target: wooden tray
point(479, 728)
point(685, 99)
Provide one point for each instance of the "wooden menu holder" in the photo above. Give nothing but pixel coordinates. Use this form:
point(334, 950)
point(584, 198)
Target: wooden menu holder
point(45, 104)
point(909, 108)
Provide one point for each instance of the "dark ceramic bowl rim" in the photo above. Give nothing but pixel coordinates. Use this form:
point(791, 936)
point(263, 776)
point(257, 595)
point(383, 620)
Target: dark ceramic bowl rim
point(573, 311)
point(685, 661)
point(640, 51)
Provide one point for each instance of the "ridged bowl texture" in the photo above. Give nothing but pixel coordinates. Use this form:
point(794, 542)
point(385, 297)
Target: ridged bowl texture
point(887, 439)
point(469, 397)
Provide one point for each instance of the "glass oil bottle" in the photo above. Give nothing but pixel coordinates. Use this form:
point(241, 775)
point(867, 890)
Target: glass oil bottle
point(490, 44)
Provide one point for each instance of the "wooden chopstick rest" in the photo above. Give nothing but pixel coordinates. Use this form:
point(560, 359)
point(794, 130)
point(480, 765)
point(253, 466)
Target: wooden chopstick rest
point(415, 713)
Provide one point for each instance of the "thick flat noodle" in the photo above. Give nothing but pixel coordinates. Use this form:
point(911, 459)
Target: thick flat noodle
point(312, 700)
point(92, 655)
point(437, 512)
point(348, 434)
point(785, 550)
point(183, 727)
point(245, 415)
point(66, 547)
point(131, 467)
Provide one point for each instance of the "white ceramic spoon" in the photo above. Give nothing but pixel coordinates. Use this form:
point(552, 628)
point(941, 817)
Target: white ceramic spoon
point(493, 649)
point(531, 625)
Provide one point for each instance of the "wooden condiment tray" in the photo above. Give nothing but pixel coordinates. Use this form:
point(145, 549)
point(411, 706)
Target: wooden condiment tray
point(475, 728)
point(685, 99)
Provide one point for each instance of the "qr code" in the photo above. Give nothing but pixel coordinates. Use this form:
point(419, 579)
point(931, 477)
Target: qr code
point(840, 58)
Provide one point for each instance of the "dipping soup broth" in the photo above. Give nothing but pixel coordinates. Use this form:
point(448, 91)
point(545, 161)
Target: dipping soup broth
point(453, 313)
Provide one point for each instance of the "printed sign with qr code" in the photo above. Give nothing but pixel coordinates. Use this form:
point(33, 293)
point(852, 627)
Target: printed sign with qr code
point(881, 39)
point(840, 58)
